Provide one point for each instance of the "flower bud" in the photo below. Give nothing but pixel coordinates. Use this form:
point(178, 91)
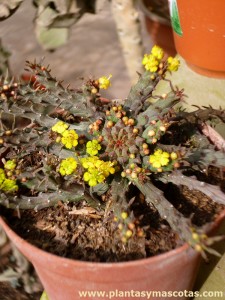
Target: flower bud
point(131, 226)
point(145, 146)
point(198, 248)
point(109, 124)
point(151, 133)
point(120, 226)
point(125, 119)
point(162, 128)
point(124, 215)
point(119, 115)
point(58, 139)
point(133, 175)
point(129, 233)
point(176, 165)
point(132, 155)
point(146, 151)
point(128, 171)
point(123, 174)
point(8, 132)
point(130, 122)
point(173, 155)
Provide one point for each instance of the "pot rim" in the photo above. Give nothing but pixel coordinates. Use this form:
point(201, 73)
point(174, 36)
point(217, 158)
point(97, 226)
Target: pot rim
point(105, 265)
point(152, 16)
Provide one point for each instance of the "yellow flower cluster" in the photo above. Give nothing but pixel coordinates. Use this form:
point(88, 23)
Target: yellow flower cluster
point(60, 127)
point(69, 138)
point(104, 82)
point(173, 63)
point(159, 159)
point(68, 166)
point(97, 170)
point(92, 147)
point(151, 62)
point(157, 52)
point(7, 185)
point(10, 165)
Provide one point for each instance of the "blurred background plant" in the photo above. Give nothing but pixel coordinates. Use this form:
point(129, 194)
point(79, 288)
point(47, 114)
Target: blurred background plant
point(118, 29)
point(53, 21)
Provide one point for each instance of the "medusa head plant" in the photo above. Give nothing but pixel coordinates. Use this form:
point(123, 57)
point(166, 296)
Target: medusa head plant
point(60, 145)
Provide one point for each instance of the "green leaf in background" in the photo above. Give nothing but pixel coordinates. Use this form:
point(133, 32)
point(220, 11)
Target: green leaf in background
point(52, 38)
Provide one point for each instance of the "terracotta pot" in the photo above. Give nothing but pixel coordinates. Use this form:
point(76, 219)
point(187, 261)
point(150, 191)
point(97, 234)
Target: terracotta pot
point(199, 33)
point(64, 278)
point(157, 21)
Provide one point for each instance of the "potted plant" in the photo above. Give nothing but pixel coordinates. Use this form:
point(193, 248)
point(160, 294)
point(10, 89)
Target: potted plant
point(108, 184)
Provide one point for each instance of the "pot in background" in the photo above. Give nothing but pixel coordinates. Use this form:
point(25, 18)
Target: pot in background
point(199, 34)
point(158, 25)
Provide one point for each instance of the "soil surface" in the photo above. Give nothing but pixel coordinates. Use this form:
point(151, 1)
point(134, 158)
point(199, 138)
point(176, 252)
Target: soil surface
point(80, 232)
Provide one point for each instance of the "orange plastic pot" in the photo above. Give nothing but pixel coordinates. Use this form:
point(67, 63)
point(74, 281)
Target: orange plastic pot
point(199, 34)
point(65, 278)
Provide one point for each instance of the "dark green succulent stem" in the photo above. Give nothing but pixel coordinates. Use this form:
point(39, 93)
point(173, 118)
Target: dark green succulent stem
point(155, 197)
point(43, 200)
point(160, 108)
point(140, 92)
point(200, 115)
point(45, 100)
point(117, 202)
point(212, 191)
point(205, 157)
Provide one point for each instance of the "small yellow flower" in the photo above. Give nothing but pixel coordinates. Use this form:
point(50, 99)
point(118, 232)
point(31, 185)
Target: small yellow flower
point(106, 167)
point(173, 63)
point(10, 165)
point(97, 170)
point(195, 237)
point(150, 63)
point(68, 166)
point(9, 186)
point(159, 159)
point(89, 162)
point(173, 155)
point(93, 176)
point(69, 138)
point(92, 147)
point(104, 82)
point(60, 127)
point(157, 52)
point(129, 233)
point(124, 215)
